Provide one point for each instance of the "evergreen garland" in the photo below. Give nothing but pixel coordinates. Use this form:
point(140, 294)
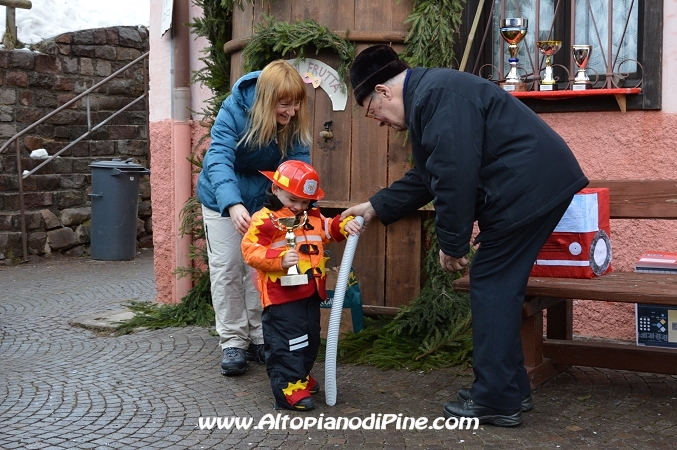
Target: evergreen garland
point(435, 27)
point(216, 26)
point(274, 39)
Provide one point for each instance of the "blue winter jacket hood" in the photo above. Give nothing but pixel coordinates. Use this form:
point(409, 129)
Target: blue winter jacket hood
point(230, 173)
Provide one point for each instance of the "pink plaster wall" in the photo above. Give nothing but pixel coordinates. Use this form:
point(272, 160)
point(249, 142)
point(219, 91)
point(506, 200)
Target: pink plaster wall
point(162, 187)
point(613, 145)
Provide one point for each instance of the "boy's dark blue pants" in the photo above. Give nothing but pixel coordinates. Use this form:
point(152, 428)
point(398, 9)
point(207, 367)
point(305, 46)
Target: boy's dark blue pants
point(291, 334)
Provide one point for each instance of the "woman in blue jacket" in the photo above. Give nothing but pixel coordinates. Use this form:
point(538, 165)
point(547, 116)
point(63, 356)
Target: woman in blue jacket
point(263, 122)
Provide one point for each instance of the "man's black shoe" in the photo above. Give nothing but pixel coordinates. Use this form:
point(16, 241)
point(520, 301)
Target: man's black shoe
point(255, 353)
point(484, 414)
point(234, 361)
point(463, 394)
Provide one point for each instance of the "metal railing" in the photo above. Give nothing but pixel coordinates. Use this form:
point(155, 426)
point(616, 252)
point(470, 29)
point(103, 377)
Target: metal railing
point(90, 129)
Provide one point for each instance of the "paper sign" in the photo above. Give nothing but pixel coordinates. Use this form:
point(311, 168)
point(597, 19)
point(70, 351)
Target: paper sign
point(167, 7)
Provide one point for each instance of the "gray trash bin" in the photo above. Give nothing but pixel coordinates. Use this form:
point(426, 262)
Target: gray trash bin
point(115, 208)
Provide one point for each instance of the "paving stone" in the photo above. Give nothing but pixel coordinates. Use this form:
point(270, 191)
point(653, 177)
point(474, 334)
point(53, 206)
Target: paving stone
point(63, 386)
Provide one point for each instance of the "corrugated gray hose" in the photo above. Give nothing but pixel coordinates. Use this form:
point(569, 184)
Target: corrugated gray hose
point(335, 317)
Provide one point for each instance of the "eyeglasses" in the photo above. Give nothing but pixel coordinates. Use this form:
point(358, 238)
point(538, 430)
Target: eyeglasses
point(369, 114)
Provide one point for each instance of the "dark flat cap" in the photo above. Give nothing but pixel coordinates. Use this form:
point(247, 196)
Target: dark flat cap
point(374, 65)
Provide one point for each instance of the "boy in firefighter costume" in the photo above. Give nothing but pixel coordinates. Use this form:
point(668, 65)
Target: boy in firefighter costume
point(291, 314)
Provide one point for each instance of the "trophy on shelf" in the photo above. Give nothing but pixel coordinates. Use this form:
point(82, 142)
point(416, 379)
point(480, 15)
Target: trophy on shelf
point(548, 48)
point(288, 225)
point(581, 55)
point(513, 31)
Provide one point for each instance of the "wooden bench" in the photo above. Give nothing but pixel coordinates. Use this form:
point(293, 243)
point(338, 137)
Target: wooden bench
point(544, 358)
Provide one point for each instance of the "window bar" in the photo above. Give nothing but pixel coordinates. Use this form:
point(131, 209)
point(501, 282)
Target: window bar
point(537, 33)
point(501, 59)
point(625, 29)
point(572, 33)
point(609, 67)
point(526, 43)
point(484, 40)
point(606, 58)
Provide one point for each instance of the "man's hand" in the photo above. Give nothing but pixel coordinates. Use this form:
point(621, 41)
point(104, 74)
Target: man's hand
point(363, 209)
point(451, 264)
point(240, 217)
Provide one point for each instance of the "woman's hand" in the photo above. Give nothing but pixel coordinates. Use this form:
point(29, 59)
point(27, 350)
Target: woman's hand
point(240, 217)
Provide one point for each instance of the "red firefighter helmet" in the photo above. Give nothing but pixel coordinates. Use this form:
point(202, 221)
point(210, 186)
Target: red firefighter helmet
point(298, 178)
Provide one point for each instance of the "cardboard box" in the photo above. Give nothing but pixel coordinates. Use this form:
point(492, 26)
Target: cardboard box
point(351, 314)
point(346, 321)
point(656, 325)
point(580, 246)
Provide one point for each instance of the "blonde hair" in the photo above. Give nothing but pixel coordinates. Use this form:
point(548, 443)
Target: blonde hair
point(279, 81)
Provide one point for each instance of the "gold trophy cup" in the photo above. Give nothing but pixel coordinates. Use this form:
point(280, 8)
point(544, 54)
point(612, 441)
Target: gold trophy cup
point(548, 48)
point(513, 31)
point(288, 225)
point(581, 55)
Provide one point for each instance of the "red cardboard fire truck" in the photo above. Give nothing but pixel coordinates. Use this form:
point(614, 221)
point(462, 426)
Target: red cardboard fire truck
point(580, 246)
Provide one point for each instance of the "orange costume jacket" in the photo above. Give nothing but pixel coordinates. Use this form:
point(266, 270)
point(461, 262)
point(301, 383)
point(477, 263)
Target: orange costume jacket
point(264, 245)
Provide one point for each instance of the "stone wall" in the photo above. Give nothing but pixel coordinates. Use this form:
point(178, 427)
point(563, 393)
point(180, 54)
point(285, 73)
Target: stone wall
point(33, 83)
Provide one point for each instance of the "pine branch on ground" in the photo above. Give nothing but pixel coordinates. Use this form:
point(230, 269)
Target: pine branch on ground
point(195, 309)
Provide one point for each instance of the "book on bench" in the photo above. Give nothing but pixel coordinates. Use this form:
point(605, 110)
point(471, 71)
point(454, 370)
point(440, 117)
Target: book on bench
point(654, 261)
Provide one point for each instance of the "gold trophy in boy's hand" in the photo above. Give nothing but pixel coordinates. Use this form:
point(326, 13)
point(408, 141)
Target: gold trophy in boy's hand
point(288, 225)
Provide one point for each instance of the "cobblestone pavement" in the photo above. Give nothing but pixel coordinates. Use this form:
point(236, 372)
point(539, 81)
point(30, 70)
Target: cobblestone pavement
point(67, 387)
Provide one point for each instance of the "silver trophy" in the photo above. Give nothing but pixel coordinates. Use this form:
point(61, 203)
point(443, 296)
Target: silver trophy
point(581, 55)
point(513, 31)
point(288, 225)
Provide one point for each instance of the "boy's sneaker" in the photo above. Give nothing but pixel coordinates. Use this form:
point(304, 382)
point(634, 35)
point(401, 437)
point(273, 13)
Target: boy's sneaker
point(298, 400)
point(234, 361)
point(255, 352)
point(313, 385)
point(305, 404)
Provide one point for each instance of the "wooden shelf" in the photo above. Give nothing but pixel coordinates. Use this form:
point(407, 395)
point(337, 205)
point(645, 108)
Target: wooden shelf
point(619, 93)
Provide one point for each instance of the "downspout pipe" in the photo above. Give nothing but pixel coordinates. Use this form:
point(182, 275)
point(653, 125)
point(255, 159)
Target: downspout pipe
point(181, 139)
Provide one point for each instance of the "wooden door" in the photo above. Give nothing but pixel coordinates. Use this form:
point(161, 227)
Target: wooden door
point(361, 157)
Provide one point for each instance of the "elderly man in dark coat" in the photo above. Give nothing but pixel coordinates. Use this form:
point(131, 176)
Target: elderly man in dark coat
point(479, 155)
